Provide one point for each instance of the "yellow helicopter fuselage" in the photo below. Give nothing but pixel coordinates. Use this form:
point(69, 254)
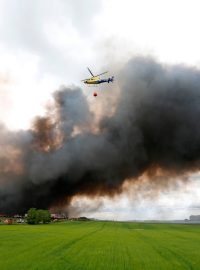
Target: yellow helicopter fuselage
point(93, 80)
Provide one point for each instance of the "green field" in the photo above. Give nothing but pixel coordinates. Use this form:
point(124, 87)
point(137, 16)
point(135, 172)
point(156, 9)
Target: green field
point(100, 245)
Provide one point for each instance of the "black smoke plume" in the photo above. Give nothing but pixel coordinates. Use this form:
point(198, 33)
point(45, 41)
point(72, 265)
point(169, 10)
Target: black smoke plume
point(154, 127)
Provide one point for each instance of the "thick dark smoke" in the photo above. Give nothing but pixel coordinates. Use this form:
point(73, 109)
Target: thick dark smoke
point(155, 126)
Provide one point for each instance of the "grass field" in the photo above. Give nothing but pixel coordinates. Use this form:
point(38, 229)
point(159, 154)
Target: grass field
point(100, 245)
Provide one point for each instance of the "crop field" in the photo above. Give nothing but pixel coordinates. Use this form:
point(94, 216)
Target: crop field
point(100, 245)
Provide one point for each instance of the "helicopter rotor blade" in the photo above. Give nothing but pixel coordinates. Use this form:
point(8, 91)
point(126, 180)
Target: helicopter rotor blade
point(90, 72)
point(102, 73)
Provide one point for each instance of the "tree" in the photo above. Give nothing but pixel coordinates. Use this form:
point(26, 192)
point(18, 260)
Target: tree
point(40, 215)
point(32, 216)
point(46, 216)
point(36, 216)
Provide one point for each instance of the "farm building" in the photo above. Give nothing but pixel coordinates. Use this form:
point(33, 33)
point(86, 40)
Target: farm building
point(195, 218)
point(8, 221)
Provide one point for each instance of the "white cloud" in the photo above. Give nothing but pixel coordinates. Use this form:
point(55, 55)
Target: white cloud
point(172, 203)
point(43, 44)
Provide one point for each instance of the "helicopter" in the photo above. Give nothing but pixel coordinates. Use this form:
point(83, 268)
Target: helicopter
point(95, 79)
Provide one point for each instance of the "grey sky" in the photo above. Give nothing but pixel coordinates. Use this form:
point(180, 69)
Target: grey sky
point(45, 43)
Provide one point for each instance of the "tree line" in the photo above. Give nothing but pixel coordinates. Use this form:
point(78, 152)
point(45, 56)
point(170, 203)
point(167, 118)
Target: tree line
point(35, 216)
